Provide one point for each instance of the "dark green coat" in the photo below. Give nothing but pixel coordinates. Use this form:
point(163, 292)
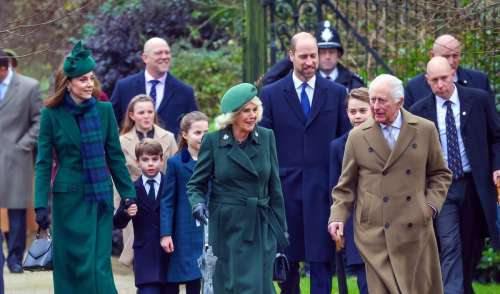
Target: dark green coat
point(246, 214)
point(81, 230)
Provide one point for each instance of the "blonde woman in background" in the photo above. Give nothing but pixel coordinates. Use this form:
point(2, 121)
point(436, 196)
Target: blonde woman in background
point(140, 122)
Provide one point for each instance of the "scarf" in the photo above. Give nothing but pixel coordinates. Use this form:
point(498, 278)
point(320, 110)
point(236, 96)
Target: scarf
point(97, 186)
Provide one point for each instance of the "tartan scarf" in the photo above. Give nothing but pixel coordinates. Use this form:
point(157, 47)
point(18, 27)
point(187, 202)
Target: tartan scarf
point(97, 186)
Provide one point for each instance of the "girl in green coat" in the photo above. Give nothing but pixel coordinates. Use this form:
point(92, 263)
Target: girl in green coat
point(82, 134)
point(247, 219)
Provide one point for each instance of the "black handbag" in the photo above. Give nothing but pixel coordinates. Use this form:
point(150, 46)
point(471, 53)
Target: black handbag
point(39, 256)
point(280, 268)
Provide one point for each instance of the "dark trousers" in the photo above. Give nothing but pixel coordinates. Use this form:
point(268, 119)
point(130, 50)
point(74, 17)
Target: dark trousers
point(360, 272)
point(460, 234)
point(16, 240)
point(158, 288)
point(321, 279)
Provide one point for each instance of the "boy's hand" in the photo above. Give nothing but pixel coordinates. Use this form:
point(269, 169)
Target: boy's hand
point(132, 210)
point(167, 244)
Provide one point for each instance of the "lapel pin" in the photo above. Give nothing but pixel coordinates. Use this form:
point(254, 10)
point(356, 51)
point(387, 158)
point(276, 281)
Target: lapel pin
point(465, 82)
point(256, 134)
point(225, 137)
point(464, 113)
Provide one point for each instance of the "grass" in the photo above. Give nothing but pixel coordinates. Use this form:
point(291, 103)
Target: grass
point(353, 287)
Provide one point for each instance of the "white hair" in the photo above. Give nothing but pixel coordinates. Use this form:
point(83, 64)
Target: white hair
point(226, 119)
point(395, 85)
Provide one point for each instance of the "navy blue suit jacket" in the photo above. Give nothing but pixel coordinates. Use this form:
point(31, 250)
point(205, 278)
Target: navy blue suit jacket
point(178, 99)
point(418, 88)
point(302, 147)
point(150, 260)
point(480, 129)
point(337, 148)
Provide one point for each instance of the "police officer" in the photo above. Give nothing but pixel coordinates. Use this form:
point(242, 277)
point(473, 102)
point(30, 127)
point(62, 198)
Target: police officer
point(450, 48)
point(330, 52)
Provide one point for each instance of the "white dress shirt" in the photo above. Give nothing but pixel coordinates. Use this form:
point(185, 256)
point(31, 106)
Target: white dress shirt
point(157, 180)
point(441, 120)
point(309, 89)
point(4, 85)
point(333, 75)
point(160, 87)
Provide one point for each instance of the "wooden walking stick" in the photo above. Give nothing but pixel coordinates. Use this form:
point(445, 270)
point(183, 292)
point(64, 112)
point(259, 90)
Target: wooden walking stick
point(498, 191)
point(340, 265)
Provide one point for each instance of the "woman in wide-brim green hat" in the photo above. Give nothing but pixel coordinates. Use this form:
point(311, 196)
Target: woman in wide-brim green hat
point(245, 206)
point(82, 135)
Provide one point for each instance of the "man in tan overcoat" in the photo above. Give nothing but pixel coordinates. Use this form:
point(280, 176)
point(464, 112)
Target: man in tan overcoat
point(395, 177)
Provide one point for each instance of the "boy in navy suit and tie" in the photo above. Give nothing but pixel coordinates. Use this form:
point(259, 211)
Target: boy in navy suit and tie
point(151, 261)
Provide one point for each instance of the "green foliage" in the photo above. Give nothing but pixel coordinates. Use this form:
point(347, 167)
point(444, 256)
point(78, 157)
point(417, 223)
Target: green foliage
point(211, 73)
point(488, 270)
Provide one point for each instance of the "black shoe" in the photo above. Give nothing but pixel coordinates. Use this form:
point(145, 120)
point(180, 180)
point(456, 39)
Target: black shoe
point(15, 268)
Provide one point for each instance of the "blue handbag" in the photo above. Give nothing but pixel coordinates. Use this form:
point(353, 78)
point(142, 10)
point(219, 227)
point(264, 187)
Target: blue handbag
point(39, 256)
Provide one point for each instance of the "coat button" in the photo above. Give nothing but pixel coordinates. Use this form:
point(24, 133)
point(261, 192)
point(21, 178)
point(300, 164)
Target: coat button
point(386, 198)
point(414, 145)
point(408, 171)
point(384, 173)
point(370, 149)
point(410, 225)
point(408, 198)
point(386, 225)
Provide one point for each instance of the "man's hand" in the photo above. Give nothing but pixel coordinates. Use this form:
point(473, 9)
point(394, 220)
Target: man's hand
point(167, 244)
point(336, 230)
point(132, 210)
point(496, 177)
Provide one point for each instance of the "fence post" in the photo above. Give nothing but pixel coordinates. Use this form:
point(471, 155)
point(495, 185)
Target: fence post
point(255, 41)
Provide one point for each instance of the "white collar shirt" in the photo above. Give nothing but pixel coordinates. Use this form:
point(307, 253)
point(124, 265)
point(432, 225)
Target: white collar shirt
point(157, 180)
point(309, 89)
point(441, 121)
point(160, 87)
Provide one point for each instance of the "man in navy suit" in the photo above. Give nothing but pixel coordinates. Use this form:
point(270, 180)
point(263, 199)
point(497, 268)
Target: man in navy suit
point(306, 112)
point(450, 48)
point(469, 132)
point(172, 97)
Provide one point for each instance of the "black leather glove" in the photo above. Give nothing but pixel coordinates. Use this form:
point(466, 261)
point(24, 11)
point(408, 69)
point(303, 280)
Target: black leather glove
point(42, 217)
point(200, 213)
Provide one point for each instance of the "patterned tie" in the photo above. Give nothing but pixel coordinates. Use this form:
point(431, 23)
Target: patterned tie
point(152, 93)
point(151, 193)
point(391, 141)
point(304, 100)
point(454, 159)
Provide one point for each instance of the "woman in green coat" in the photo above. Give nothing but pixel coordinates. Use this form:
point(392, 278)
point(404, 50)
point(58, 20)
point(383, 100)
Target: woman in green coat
point(82, 134)
point(247, 218)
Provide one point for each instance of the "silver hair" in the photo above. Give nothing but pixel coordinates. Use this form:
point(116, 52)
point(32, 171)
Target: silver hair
point(395, 85)
point(226, 119)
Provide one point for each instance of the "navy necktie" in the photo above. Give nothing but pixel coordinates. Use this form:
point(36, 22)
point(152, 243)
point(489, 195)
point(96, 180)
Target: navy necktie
point(304, 100)
point(454, 159)
point(151, 193)
point(152, 92)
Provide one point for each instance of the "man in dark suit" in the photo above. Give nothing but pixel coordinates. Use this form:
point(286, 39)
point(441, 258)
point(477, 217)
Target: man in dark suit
point(172, 97)
point(306, 112)
point(469, 132)
point(450, 48)
point(20, 105)
point(330, 52)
